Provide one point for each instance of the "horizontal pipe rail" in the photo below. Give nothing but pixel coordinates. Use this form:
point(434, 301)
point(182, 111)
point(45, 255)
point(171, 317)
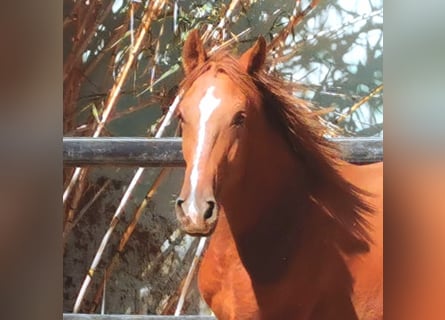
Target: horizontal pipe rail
point(167, 152)
point(78, 316)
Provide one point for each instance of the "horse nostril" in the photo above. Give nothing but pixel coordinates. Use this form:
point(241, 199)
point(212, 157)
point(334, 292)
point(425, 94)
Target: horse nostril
point(209, 212)
point(179, 202)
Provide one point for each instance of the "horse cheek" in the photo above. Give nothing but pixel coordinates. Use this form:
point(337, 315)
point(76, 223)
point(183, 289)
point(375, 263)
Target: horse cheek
point(232, 154)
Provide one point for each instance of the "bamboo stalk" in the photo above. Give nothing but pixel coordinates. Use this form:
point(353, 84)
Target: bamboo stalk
point(119, 210)
point(323, 33)
point(151, 12)
point(70, 225)
point(190, 274)
point(129, 231)
point(156, 56)
point(222, 23)
point(75, 56)
point(359, 103)
point(172, 299)
point(230, 41)
point(140, 106)
point(72, 183)
point(69, 18)
point(294, 20)
point(76, 198)
point(118, 33)
point(104, 286)
point(100, 290)
point(167, 307)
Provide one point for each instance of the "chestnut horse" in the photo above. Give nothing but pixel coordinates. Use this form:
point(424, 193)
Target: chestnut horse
point(296, 232)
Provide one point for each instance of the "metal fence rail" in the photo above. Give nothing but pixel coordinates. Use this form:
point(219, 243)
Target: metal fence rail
point(78, 316)
point(167, 152)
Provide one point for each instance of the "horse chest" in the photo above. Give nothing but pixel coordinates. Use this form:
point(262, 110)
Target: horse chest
point(227, 288)
point(224, 282)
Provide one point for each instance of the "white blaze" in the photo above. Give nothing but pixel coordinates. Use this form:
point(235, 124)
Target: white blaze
point(208, 104)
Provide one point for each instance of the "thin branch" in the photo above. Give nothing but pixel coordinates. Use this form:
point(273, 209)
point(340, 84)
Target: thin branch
point(294, 20)
point(359, 104)
point(72, 17)
point(190, 275)
point(337, 31)
point(104, 290)
point(118, 34)
point(70, 225)
point(80, 49)
point(219, 32)
point(225, 44)
point(155, 57)
point(140, 106)
point(76, 197)
point(129, 231)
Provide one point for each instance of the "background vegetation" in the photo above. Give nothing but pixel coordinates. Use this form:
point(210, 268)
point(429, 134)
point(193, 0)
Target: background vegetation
point(123, 252)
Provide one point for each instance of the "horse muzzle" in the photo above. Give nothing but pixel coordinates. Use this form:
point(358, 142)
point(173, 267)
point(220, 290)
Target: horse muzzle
point(197, 218)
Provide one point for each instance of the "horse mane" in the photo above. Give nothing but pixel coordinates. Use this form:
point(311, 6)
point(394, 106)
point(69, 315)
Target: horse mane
point(344, 219)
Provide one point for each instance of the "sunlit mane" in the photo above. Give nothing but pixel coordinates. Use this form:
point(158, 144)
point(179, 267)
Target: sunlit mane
point(304, 135)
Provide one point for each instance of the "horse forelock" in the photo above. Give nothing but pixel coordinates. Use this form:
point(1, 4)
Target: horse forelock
point(223, 62)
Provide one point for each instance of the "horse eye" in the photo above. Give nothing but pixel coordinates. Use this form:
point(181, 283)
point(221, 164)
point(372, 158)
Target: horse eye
point(238, 119)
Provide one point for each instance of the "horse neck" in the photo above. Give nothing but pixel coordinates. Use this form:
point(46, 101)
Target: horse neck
point(269, 182)
point(274, 219)
point(266, 213)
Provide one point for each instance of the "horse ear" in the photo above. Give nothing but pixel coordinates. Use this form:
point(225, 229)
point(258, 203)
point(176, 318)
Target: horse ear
point(193, 53)
point(253, 59)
